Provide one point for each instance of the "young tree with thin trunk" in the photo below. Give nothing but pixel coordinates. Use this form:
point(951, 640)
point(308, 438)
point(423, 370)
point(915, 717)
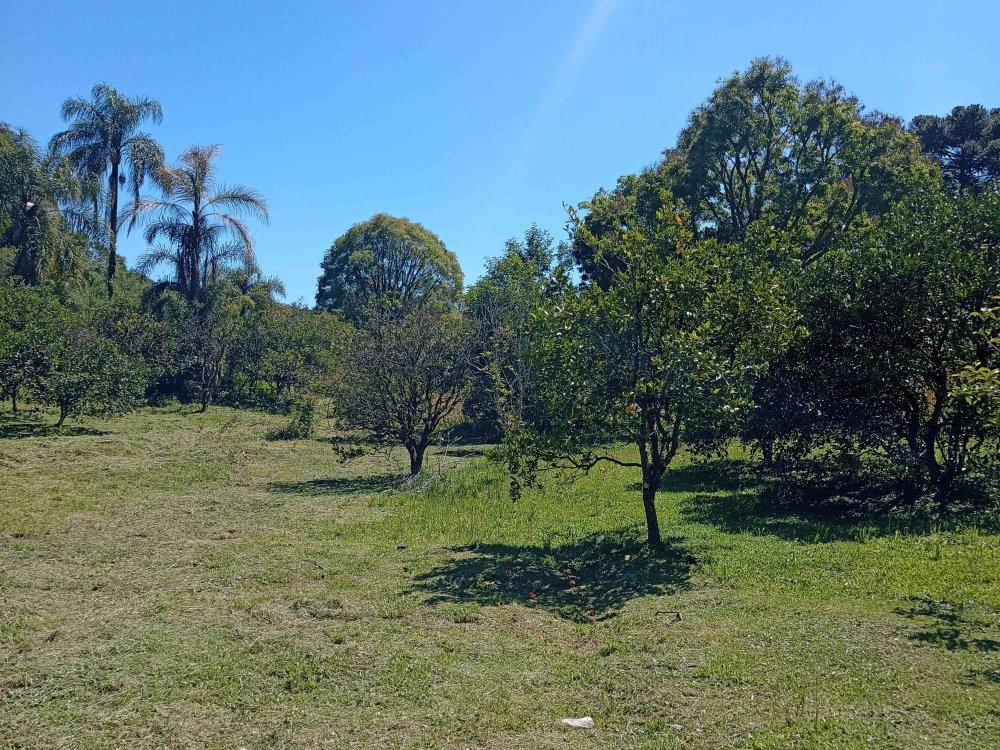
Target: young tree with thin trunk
point(402, 375)
point(88, 374)
point(662, 358)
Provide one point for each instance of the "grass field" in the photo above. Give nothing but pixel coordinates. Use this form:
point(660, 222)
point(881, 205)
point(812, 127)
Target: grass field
point(175, 580)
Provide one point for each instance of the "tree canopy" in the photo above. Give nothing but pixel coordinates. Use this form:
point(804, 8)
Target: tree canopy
point(201, 220)
point(803, 160)
point(965, 142)
point(392, 259)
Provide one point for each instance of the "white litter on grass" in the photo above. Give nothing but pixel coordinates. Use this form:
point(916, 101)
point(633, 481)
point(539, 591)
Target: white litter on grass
point(584, 722)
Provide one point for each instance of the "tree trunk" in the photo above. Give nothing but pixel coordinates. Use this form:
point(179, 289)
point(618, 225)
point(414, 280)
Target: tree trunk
point(649, 483)
point(767, 451)
point(206, 399)
point(112, 227)
point(942, 485)
point(13, 401)
point(416, 452)
point(63, 413)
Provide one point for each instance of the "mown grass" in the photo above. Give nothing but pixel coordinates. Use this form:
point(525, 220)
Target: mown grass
point(176, 580)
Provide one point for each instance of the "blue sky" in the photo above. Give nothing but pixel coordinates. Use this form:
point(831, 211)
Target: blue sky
point(474, 119)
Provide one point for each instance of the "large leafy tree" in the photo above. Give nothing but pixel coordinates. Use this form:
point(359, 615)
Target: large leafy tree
point(106, 147)
point(200, 223)
point(901, 356)
point(805, 161)
point(391, 259)
point(966, 142)
point(664, 356)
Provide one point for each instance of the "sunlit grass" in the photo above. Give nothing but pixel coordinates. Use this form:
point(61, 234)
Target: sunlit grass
point(175, 580)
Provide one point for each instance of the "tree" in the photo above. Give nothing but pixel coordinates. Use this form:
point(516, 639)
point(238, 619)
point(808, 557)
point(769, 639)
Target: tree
point(297, 348)
point(388, 258)
point(501, 303)
point(31, 321)
point(212, 327)
point(105, 146)
point(805, 161)
point(201, 221)
point(898, 344)
point(965, 142)
point(401, 375)
point(30, 220)
point(88, 374)
point(664, 356)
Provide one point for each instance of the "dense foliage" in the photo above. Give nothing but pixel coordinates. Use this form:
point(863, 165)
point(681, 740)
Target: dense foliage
point(390, 259)
point(797, 275)
point(210, 331)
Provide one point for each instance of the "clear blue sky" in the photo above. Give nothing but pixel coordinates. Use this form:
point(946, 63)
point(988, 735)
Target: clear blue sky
point(474, 119)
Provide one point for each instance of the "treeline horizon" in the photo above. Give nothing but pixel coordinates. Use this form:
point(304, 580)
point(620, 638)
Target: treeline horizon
point(815, 281)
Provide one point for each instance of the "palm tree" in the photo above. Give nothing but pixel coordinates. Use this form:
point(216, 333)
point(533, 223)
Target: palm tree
point(31, 189)
point(200, 220)
point(102, 142)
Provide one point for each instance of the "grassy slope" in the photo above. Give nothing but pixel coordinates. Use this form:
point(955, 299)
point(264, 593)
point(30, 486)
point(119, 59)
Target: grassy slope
point(174, 580)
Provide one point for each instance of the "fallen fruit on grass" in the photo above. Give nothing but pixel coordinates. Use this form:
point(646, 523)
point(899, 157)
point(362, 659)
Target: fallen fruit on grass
point(591, 613)
point(532, 595)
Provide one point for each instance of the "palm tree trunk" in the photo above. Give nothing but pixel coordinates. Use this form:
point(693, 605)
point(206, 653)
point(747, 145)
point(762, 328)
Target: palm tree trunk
point(112, 226)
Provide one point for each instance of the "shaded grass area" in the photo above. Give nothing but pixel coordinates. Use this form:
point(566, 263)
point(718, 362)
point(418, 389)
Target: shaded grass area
point(594, 577)
point(170, 580)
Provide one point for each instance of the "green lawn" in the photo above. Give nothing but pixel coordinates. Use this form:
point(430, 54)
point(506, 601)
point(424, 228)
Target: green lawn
point(175, 580)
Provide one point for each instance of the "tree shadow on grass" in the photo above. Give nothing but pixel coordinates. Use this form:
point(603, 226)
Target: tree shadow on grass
point(735, 498)
point(468, 434)
point(341, 440)
point(592, 579)
point(952, 626)
point(704, 476)
point(14, 427)
point(462, 451)
point(340, 485)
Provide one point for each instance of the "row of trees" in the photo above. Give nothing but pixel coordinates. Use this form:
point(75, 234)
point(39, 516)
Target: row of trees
point(813, 280)
point(81, 331)
point(817, 282)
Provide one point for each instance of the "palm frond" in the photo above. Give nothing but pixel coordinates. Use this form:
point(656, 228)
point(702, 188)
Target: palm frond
point(240, 200)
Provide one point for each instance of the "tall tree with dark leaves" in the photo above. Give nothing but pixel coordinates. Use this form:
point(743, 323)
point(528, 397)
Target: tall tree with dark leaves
point(965, 142)
point(804, 160)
